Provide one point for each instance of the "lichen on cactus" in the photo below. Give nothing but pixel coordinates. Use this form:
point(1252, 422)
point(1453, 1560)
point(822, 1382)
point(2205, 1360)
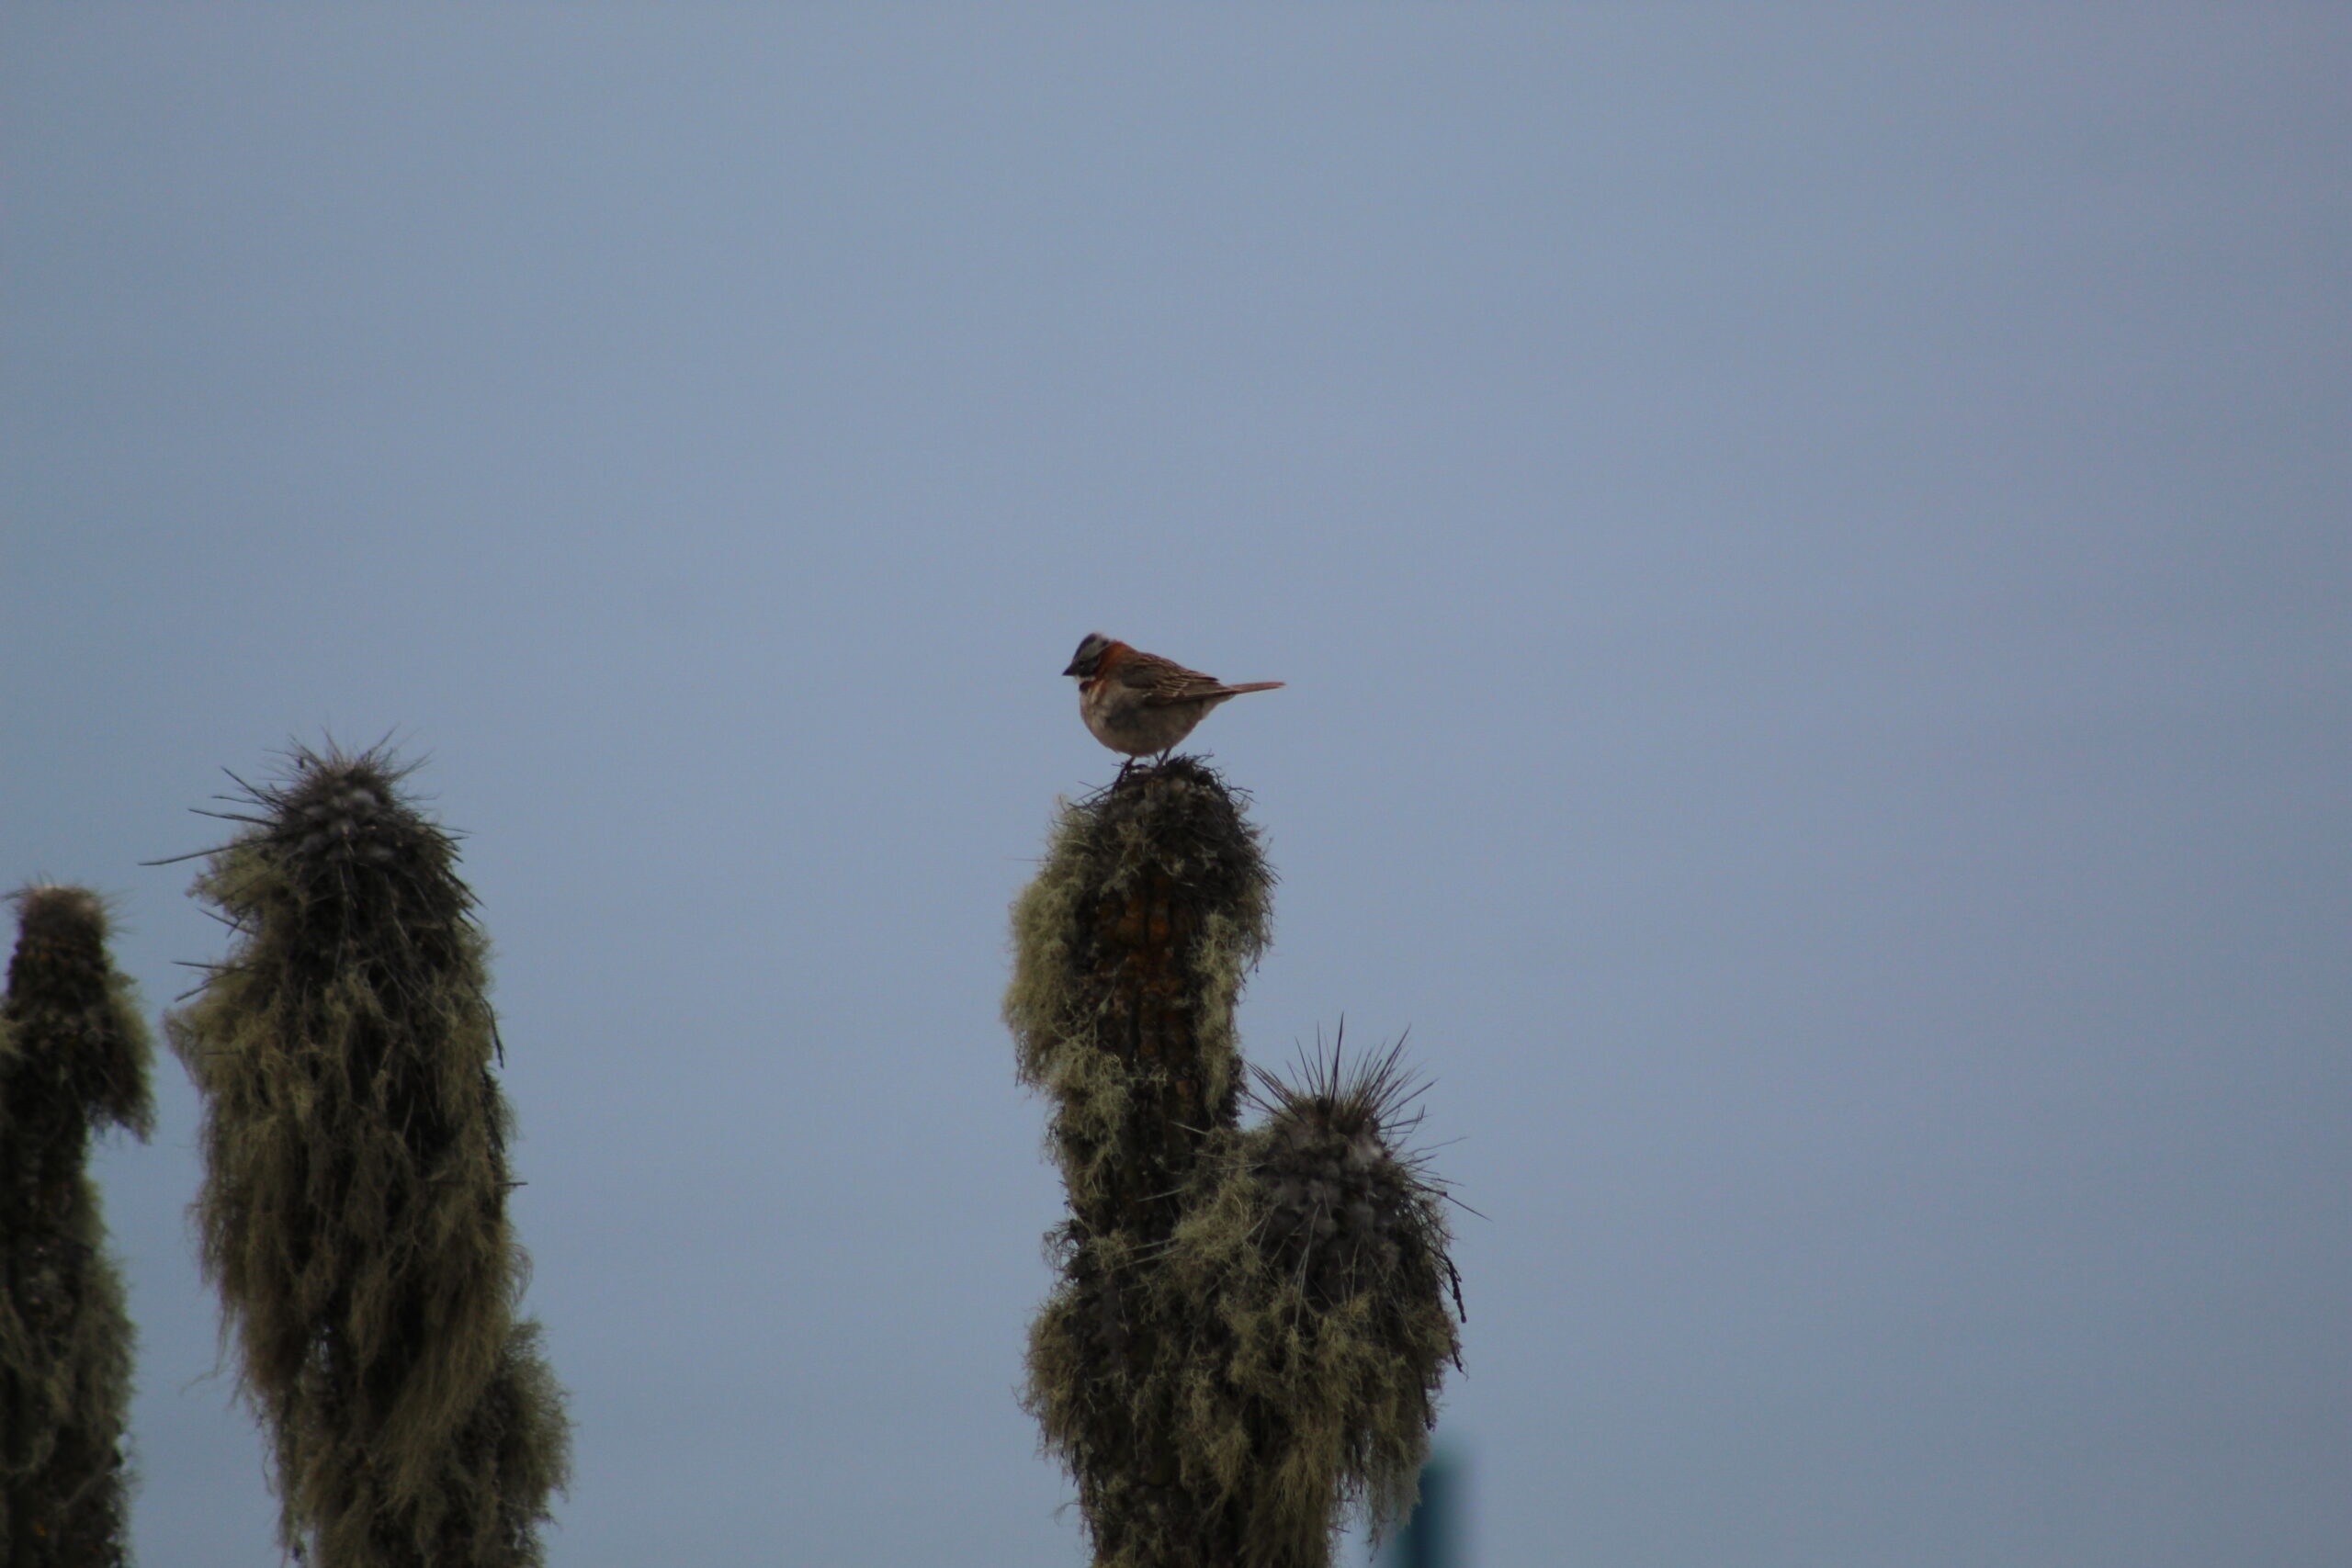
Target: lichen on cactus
point(74, 1057)
point(1130, 950)
point(353, 1213)
point(1313, 1255)
point(1249, 1326)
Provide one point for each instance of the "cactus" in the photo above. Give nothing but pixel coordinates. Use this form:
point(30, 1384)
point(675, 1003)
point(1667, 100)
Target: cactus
point(1250, 1327)
point(73, 1061)
point(353, 1213)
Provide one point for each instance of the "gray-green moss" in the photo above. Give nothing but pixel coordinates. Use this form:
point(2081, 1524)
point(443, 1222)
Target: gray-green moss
point(1314, 1256)
point(353, 1213)
point(74, 1057)
point(1221, 1386)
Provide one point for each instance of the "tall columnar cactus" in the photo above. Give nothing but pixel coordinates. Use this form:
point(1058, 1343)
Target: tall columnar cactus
point(353, 1213)
point(73, 1061)
point(1250, 1324)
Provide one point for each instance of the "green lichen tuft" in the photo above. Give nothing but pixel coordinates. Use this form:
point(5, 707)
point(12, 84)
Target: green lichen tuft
point(1129, 952)
point(73, 1057)
point(353, 1213)
point(1130, 948)
point(1313, 1261)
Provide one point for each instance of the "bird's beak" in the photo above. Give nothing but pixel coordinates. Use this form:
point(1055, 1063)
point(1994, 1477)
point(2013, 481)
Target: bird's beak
point(1073, 668)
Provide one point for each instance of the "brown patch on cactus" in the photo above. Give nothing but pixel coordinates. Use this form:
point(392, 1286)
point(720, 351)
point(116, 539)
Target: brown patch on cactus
point(353, 1213)
point(73, 1060)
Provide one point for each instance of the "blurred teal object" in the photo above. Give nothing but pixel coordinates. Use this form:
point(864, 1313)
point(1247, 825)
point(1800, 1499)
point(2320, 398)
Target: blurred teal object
point(1428, 1539)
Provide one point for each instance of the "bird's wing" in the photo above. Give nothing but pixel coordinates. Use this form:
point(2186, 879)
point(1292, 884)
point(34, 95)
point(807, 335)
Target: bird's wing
point(1163, 681)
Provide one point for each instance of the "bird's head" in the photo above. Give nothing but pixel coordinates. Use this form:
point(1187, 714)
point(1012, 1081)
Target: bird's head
point(1089, 656)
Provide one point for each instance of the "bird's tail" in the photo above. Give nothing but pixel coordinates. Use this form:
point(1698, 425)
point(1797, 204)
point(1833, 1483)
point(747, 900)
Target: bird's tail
point(1250, 686)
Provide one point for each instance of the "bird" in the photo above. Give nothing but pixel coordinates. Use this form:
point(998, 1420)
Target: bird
point(1139, 703)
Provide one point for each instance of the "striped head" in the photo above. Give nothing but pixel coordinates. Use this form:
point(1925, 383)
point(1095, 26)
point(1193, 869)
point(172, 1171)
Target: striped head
point(1089, 658)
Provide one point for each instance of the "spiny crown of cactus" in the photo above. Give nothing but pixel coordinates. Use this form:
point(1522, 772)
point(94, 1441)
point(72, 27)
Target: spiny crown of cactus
point(55, 921)
point(1346, 1197)
point(346, 863)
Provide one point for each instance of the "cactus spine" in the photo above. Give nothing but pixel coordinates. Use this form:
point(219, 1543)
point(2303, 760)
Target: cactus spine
point(353, 1213)
point(1250, 1324)
point(73, 1061)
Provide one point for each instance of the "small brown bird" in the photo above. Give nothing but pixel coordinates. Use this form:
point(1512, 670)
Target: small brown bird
point(1139, 703)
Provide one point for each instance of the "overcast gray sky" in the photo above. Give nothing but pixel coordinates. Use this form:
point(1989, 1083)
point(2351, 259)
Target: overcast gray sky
point(1809, 546)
